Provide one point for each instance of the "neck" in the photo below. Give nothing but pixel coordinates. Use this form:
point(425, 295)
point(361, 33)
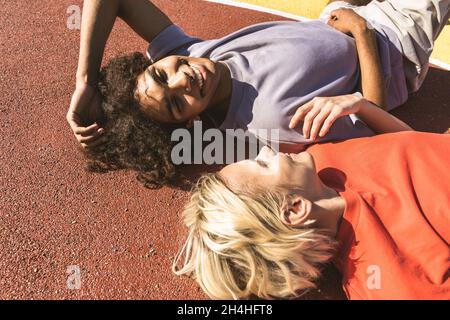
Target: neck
point(328, 211)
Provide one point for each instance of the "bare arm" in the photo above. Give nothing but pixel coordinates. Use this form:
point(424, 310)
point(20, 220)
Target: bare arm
point(380, 120)
point(329, 109)
point(372, 79)
point(321, 113)
point(98, 20)
point(144, 18)
point(99, 16)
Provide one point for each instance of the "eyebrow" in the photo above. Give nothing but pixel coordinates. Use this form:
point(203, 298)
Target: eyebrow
point(167, 103)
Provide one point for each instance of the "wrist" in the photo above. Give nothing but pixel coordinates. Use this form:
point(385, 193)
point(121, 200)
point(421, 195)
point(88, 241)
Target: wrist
point(363, 105)
point(362, 30)
point(83, 79)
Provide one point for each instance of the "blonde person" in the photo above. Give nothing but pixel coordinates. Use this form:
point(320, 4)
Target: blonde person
point(377, 207)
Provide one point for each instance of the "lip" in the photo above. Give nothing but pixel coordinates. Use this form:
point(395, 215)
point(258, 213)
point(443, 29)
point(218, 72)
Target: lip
point(297, 157)
point(205, 78)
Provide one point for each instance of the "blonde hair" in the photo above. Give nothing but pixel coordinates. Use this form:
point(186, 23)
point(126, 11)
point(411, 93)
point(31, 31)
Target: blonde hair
point(237, 245)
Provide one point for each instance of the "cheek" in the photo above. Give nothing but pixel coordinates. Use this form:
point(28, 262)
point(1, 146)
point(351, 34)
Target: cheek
point(261, 182)
point(285, 175)
point(194, 106)
point(301, 178)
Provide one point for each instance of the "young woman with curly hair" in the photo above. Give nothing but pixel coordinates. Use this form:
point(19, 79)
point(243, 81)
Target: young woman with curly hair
point(132, 140)
point(266, 76)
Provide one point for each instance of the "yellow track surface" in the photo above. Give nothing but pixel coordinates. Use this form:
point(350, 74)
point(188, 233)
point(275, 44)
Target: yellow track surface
point(313, 8)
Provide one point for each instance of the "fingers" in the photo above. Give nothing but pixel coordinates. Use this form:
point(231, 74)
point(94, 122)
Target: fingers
point(309, 119)
point(334, 16)
point(334, 20)
point(94, 143)
point(318, 122)
point(320, 114)
point(300, 113)
point(78, 129)
point(91, 138)
point(313, 115)
point(339, 12)
point(338, 15)
point(86, 131)
point(328, 123)
point(85, 107)
point(88, 137)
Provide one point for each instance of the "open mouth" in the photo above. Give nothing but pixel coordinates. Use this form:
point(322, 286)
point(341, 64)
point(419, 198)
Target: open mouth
point(199, 78)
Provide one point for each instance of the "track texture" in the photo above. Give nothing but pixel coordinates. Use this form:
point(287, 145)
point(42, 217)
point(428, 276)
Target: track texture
point(54, 214)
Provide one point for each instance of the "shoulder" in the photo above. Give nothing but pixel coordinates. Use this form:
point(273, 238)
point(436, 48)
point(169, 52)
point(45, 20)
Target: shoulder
point(171, 40)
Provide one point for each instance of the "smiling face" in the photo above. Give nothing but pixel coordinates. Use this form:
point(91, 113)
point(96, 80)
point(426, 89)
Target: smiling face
point(177, 89)
point(287, 173)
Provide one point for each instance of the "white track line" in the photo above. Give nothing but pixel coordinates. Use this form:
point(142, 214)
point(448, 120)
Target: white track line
point(440, 64)
point(254, 7)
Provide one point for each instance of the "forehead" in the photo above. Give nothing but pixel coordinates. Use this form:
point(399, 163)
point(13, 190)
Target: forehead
point(238, 167)
point(168, 59)
point(150, 97)
point(242, 175)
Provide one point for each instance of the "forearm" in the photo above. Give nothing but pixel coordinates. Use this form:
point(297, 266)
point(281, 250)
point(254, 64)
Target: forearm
point(379, 120)
point(98, 20)
point(372, 79)
point(144, 18)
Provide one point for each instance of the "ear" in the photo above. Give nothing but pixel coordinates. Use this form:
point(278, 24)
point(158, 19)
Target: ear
point(190, 122)
point(296, 212)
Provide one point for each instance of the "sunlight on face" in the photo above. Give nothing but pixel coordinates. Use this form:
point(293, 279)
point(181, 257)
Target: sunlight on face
point(177, 89)
point(271, 171)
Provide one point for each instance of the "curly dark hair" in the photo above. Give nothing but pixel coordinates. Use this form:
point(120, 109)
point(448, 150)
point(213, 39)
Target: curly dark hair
point(133, 141)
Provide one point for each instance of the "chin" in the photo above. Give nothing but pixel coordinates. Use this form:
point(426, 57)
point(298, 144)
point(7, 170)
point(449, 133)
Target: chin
point(302, 157)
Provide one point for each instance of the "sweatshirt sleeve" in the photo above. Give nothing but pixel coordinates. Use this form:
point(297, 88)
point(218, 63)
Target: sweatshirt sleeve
point(172, 40)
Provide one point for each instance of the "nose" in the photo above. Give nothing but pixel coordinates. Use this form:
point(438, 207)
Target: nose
point(266, 153)
point(180, 81)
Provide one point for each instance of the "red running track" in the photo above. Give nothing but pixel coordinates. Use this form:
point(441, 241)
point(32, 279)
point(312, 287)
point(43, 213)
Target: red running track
point(54, 214)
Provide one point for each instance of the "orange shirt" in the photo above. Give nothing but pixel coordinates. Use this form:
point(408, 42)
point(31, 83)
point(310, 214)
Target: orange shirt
point(395, 232)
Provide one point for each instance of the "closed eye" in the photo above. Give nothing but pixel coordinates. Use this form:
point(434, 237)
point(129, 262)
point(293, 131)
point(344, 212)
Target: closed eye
point(159, 76)
point(163, 75)
point(262, 164)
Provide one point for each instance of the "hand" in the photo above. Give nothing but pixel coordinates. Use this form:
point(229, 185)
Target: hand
point(320, 113)
point(84, 113)
point(347, 21)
